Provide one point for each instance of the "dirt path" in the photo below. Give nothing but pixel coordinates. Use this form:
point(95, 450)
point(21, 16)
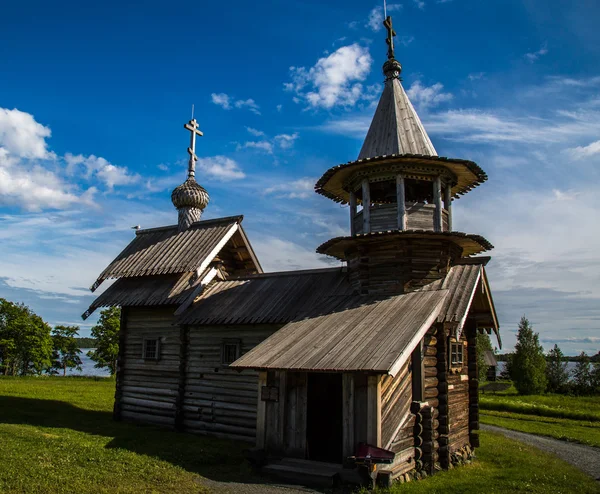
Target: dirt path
point(586, 458)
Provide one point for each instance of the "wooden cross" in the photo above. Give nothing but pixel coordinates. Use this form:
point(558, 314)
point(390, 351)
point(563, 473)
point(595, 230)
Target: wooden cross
point(390, 36)
point(192, 126)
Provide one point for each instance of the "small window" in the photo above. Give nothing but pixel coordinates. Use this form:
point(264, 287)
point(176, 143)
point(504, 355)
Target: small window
point(230, 351)
point(456, 354)
point(151, 349)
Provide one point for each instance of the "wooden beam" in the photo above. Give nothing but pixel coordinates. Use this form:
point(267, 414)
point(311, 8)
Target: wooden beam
point(348, 414)
point(352, 213)
point(437, 200)
point(418, 373)
point(366, 202)
point(448, 204)
point(183, 352)
point(401, 202)
point(374, 410)
point(261, 412)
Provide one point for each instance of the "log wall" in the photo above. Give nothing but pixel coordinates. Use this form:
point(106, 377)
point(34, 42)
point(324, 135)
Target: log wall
point(149, 388)
point(219, 401)
point(458, 404)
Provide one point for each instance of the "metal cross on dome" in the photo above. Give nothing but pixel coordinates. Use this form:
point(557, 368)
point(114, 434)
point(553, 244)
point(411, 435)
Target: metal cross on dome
point(390, 36)
point(192, 126)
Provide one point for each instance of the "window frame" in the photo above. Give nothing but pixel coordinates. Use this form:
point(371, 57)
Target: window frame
point(230, 342)
point(145, 349)
point(456, 348)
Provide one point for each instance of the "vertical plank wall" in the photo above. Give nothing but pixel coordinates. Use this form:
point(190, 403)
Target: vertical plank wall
point(148, 389)
point(219, 401)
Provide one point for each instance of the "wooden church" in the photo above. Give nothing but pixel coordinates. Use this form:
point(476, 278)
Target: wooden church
point(370, 366)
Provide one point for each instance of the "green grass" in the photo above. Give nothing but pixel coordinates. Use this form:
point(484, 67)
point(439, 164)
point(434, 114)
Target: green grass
point(568, 430)
point(57, 436)
point(550, 405)
point(568, 418)
point(504, 466)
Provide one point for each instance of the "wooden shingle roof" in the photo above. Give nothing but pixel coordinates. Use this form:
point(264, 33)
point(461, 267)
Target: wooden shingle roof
point(396, 128)
point(165, 250)
point(359, 333)
point(268, 297)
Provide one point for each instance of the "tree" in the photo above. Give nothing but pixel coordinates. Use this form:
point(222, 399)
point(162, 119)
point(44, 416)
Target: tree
point(106, 333)
point(596, 378)
point(483, 345)
point(65, 354)
point(529, 363)
point(25, 343)
point(582, 375)
point(556, 371)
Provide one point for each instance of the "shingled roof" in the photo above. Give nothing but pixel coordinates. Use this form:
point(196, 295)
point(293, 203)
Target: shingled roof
point(396, 128)
point(165, 250)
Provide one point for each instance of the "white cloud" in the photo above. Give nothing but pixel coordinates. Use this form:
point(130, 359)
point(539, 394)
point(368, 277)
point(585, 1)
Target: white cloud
point(333, 79)
point(227, 103)
point(106, 172)
point(286, 141)
point(220, 168)
point(221, 99)
point(162, 166)
point(406, 40)
point(23, 137)
point(302, 188)
point(260, 145)
point(534, 56)
point(250, 104)
point(375, 19)
point(581, 152)
point(279, 108)
point(424, 97)
point(420, 4)
point(255, 132)
point(475, 76)
point(282, 255)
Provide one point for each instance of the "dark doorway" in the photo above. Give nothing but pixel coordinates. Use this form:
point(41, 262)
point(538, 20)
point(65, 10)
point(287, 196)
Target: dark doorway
point(324, 417)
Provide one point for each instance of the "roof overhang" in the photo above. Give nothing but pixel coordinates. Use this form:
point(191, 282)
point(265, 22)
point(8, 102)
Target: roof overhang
point(334, 182)
point(470, 244)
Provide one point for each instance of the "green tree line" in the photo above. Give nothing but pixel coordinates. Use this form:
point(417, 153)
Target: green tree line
point(534, 372)
point(29, 346)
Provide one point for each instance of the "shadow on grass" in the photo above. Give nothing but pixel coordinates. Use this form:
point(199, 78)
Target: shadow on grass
point(215, 459)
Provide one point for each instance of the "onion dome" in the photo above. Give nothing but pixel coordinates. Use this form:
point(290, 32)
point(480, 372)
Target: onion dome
point(190, 194)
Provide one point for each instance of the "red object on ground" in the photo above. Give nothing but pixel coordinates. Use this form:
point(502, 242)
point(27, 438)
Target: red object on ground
point(365, 451)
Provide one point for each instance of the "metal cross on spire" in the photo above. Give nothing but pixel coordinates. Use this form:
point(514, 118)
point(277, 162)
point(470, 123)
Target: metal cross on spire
point(390, 37)
point(192, 126)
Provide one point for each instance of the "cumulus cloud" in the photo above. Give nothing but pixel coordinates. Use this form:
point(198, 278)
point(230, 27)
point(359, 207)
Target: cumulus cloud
point(227, 103)
point(376, 16)
point(534, 56)
point(302, 188)
point(30, 176)
point(424, 97)
point(255, 132)
point(334, 79)
point(286, 141)
point(220, 168)
point(265, 146)
point(104, 171)
point(581, 152)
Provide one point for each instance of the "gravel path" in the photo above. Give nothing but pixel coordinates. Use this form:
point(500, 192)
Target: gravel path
point(239, 488)
point(586, 458)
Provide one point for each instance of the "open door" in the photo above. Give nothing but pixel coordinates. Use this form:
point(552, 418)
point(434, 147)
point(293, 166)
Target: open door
point(324, 418)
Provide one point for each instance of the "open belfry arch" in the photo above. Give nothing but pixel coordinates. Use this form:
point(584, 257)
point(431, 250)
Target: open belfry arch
point(322, 370)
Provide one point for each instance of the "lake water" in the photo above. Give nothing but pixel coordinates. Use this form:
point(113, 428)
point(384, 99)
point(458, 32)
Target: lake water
point(570, 367)
point(87, 367)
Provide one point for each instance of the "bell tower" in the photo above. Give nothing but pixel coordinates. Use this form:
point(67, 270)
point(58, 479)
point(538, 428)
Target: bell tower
point(400, 195)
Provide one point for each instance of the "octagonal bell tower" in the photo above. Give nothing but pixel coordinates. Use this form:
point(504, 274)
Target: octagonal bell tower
point(400, 194)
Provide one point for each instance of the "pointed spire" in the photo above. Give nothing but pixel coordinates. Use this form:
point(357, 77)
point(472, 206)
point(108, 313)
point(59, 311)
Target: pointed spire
point(190, 198)
point(396, 128)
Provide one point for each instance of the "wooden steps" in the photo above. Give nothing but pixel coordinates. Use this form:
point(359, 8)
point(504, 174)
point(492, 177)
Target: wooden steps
point(305, 472)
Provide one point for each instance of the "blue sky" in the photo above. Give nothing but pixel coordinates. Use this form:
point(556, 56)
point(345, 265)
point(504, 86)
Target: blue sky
point(93, 98)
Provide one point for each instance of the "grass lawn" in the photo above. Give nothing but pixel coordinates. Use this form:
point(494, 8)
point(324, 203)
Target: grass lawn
point(57, 436)
point(562, 417)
